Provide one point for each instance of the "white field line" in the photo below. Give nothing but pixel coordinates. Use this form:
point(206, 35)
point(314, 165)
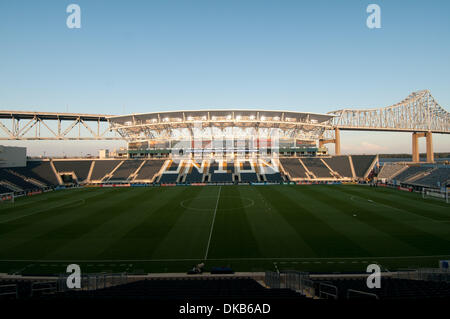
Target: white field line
point(212, 224)
point(218, 259)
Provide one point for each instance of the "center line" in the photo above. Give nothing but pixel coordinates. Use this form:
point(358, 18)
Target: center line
point(212, 224)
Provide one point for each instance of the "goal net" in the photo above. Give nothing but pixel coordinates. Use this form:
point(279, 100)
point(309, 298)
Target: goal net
point(442, 194)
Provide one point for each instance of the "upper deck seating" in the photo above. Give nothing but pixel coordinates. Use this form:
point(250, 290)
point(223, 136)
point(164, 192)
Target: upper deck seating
point(390, 169)
point(6, 175)
point(437, 178)
point(80, 168)
point(38, 170)
point(293, 167)
point(317, 167)
point(340, 164)
point(102, 168)
point(411, 172)
point(124, 171)
point(362, 163)
point(149, 169)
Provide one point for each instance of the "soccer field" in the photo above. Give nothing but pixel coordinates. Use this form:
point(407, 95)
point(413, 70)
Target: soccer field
point(249, 228)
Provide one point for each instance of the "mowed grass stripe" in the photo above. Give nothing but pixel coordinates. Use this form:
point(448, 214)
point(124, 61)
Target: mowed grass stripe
point(25, 207)
point(86, 219)
point(142, 240)
point(422, 225)
point(410, 198)
point(105, 233)
point(412, 203)
point(24, 203)
point(274, 235)
point(282, 223)
point(409, 231)
point(362, 228)
point(28, 228)
point(232, 235)
point(323, 239)
point(188, 238)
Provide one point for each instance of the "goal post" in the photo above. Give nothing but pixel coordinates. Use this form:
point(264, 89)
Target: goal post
point(443, 193)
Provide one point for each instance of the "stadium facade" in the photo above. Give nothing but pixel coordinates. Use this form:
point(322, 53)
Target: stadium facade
point(212, 133)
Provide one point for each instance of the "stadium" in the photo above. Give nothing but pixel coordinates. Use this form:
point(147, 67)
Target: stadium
point(211, 159)
point(254, 193)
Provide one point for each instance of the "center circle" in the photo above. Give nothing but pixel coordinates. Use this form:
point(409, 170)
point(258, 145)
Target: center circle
point(209, 203)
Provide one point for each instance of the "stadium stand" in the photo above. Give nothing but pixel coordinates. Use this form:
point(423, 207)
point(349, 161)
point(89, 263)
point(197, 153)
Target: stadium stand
point(274, 178)
point(412, 172)
point(168, 178)
point(102, 168)
point(391, 288)
point(184, 289)
point(437, 178)
point(249, 178)
point(5, 189)
point(293, 167)
point(38, 170)
point(221, 177)
point(149, 169)
point(317, 167)
point(9, 178)
point(389, 170)
point(173, 166)
point(170, 175)
point(125, 170)
point(341, 165)
point(362, 163)
point(193, 175)
point(80, 168)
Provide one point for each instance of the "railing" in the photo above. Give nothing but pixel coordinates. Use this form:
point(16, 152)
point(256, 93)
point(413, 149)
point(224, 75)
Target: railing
point(363, 293)
point(5, 291)
point(431, 274)
point(94, 281)
point(326, 294)
point(42, 288)
point(295, 280)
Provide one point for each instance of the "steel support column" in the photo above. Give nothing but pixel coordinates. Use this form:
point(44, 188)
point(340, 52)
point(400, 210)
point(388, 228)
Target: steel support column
point(430, 154)
point(337, 141)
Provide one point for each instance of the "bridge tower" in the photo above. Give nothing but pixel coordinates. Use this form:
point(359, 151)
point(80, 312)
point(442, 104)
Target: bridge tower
point(415, 146)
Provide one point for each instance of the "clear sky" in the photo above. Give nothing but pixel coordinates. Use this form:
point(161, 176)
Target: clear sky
point(143, 56)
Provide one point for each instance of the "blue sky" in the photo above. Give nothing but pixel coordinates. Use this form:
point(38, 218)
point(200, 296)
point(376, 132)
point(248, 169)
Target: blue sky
point(144, 56)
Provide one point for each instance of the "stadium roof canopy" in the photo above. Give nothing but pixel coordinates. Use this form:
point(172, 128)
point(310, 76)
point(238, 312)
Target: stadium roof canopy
point(176, 124)
point(221, 117)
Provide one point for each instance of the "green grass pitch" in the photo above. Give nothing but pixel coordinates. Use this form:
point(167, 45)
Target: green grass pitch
point(249, 228)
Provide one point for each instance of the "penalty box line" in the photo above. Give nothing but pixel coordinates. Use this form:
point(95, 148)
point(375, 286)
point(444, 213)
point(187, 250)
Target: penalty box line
point(212, 224)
